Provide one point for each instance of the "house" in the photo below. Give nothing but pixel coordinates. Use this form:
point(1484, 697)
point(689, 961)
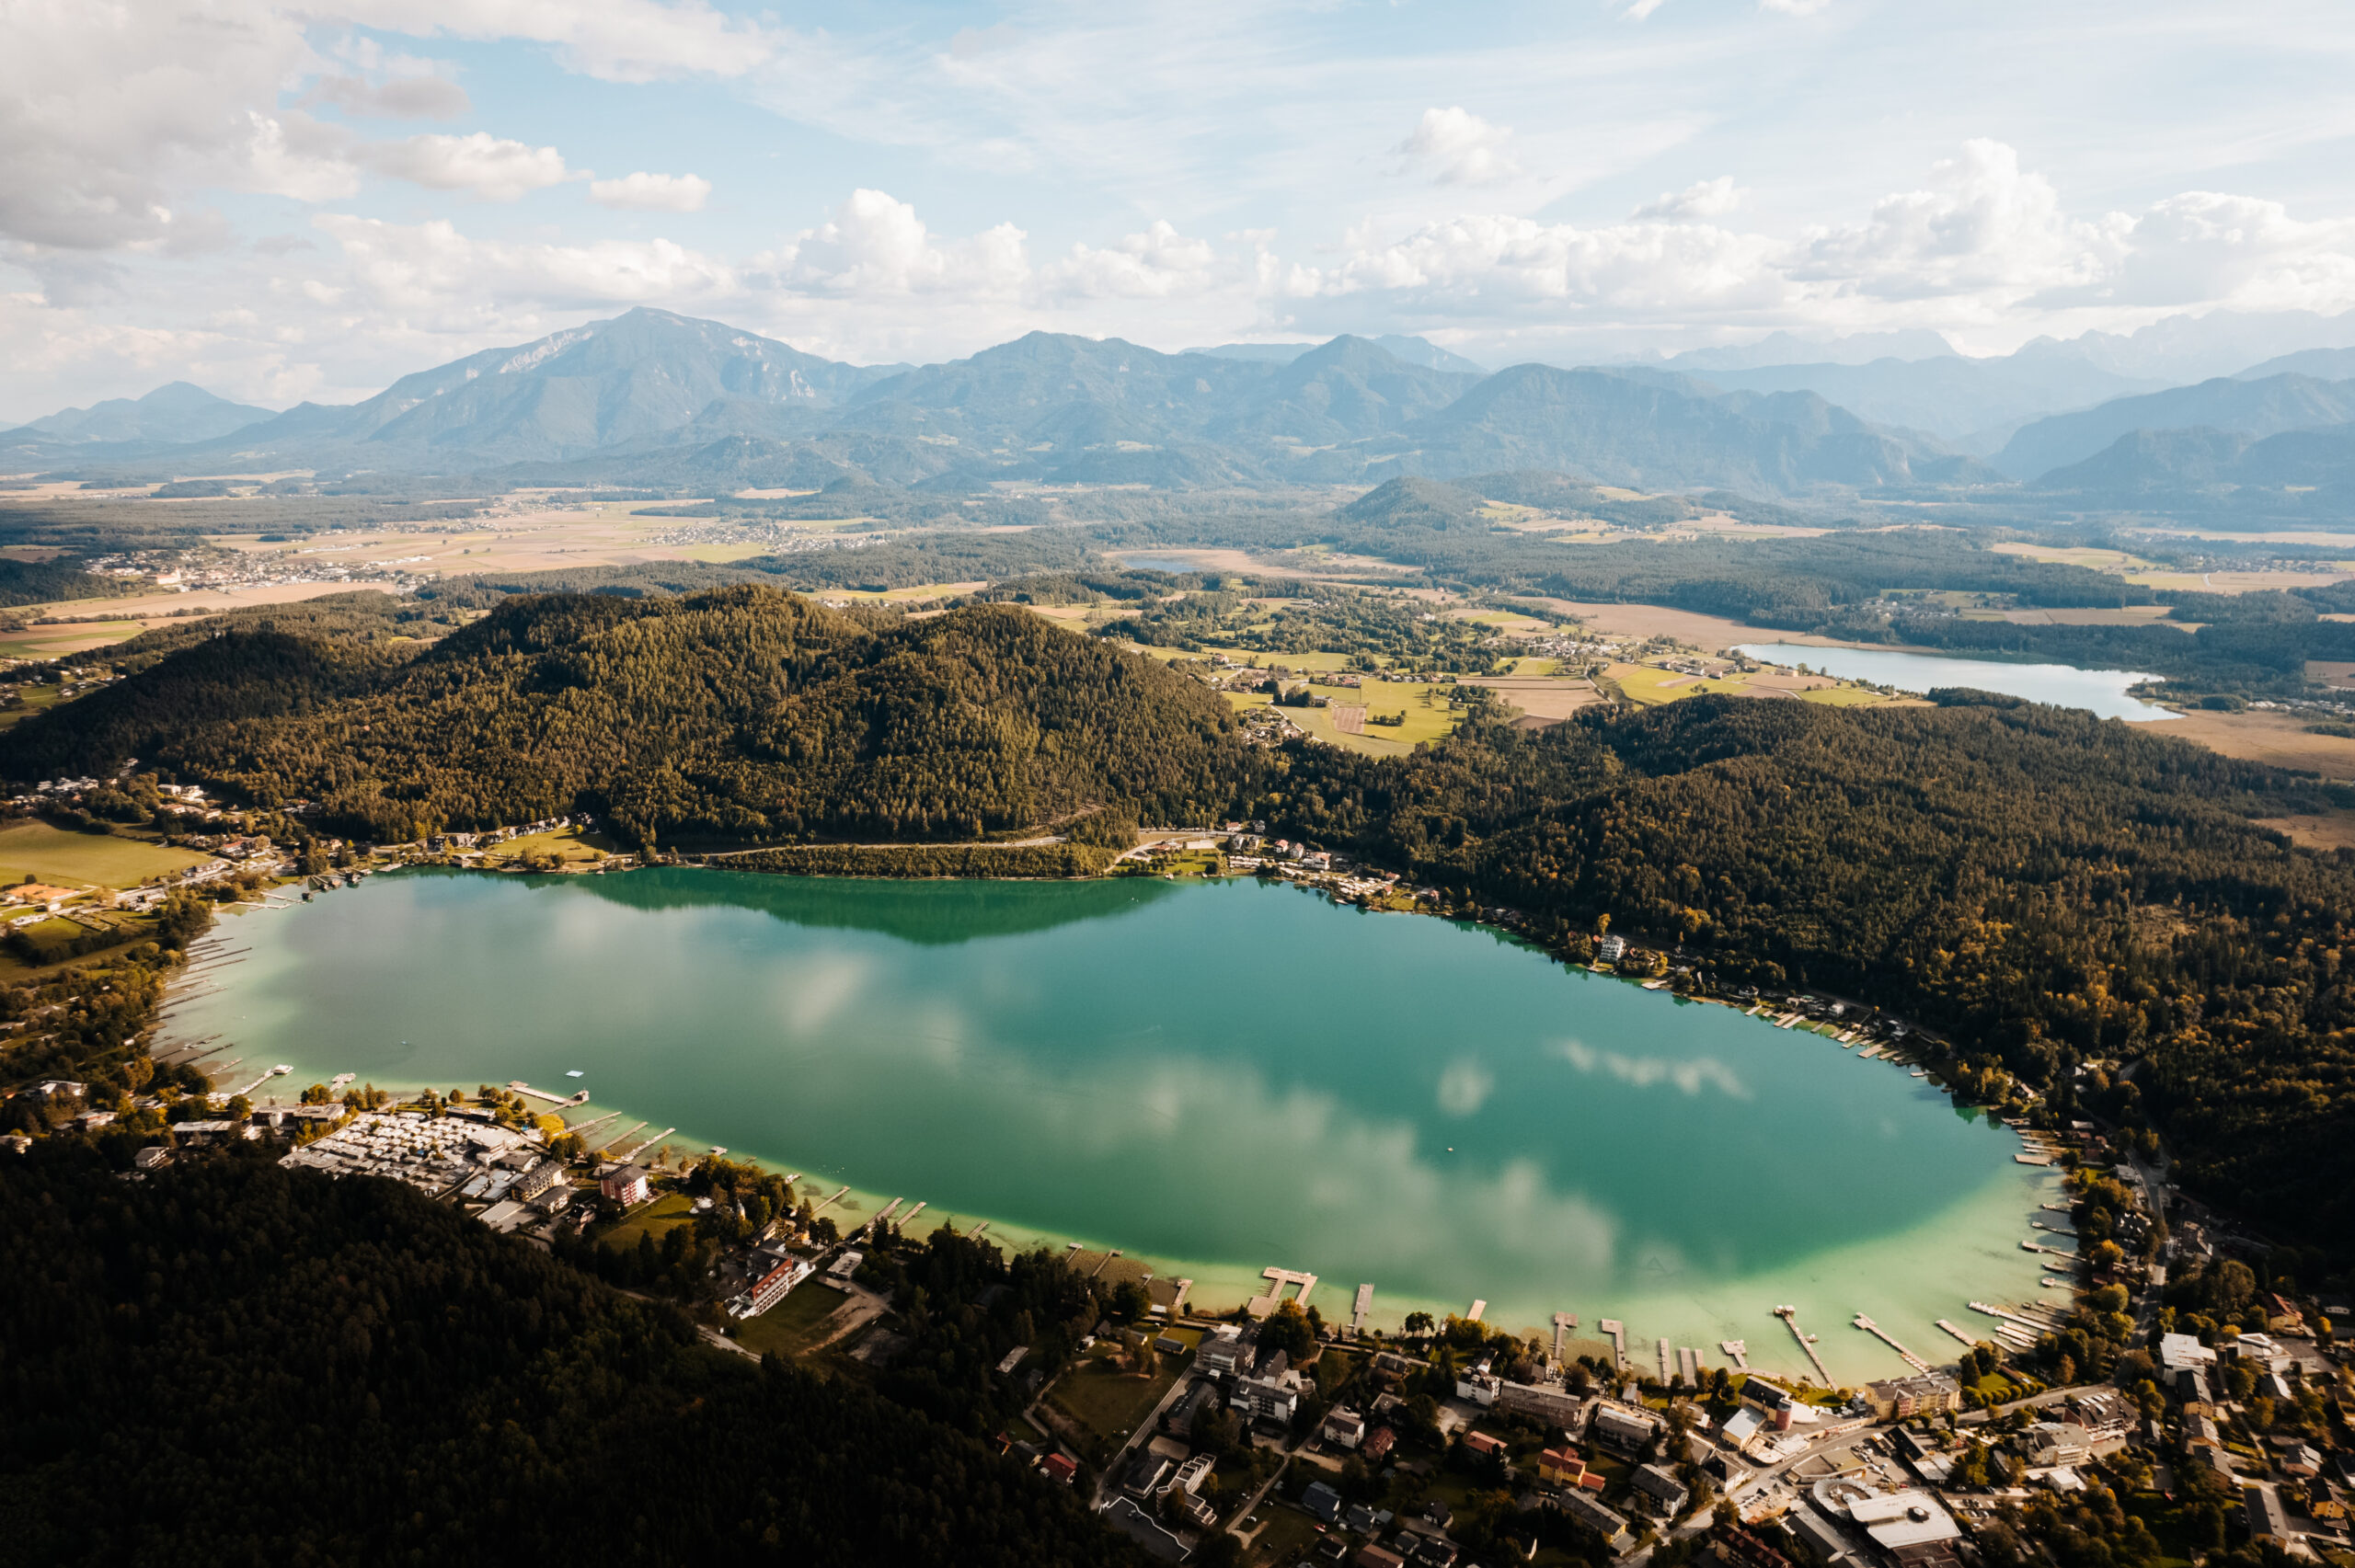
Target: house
point(1744, 1549)
point(1611, 949)
point(1322, 1502)
point(1741, 1428)
point(1818, 1539)
point(1147, 1475)
point(1222, 1351)
point(1056, 1467)
point(625, 1187)
point(1344, 1428)
point(1481, 1443)
point(1660, 1490)
point(151, 1157)
point(1377, 1557)
point(2056, 1443)
point(1611, 1526)
point(1480, 1388)
point(1560, 1467)
point(1616, 1426)
point(1379, 1442)
point(1898, 1397)
point(542, 1175)
point(2261, 1507)
point(1549, 1403)
point(773, 1286)
point(2181, 1351)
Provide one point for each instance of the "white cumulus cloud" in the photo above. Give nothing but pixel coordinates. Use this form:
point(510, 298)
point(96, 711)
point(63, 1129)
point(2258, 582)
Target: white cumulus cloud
point(1158, 264)
point(875, 244)
point(1706, 198)
point(644, 192)
point(432, 268)
point(485, 166)
point(1460, 148)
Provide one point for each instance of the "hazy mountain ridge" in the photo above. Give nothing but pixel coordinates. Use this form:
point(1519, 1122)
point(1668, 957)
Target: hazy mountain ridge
point(2256, 408)
point(176, 411)
point(659, 399)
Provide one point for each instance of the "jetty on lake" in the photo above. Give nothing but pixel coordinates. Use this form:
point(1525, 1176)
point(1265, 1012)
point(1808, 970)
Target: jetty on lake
point(1790, 1316)
point(1616, 1332)
point(1889, 1339)
point(1364, 1305)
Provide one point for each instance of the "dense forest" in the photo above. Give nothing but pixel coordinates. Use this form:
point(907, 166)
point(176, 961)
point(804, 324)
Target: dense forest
point(742, 713)
point(264, 1365)
point(2047, 886)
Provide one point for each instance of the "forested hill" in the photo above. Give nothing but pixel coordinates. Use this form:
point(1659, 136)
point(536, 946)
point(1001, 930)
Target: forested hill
point(742, 714)
point(2048, 887)
point(257, 1366)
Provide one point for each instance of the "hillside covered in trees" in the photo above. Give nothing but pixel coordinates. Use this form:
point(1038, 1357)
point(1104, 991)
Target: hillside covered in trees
point(2046, 887)
point(739, 714)
point(271, 1367)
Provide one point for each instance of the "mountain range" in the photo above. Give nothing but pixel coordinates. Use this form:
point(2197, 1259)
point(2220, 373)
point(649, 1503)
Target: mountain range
point(175, 411)
point(650, 397)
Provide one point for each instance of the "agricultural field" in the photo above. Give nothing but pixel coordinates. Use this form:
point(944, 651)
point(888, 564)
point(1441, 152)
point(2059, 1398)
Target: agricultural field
point(45, 853)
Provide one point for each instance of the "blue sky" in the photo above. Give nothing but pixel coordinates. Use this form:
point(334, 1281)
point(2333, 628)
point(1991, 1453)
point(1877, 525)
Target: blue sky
point(282, 204)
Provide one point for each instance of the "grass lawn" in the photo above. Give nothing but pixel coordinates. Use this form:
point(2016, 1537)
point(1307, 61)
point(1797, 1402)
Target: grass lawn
point(792, 1326)
point(1287, 1531)
point(1106, 1401)
point(36, 698)
point(54, 854)
point(664, 1212)
point(568, 844)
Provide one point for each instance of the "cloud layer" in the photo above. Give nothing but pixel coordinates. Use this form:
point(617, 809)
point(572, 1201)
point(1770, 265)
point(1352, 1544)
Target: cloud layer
point(300, 202)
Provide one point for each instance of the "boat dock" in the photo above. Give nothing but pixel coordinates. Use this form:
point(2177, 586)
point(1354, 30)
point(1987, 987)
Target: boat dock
point(596, 1121)
point(1889, 1339)
point(1277, 1278)
point(1688, 1365)
point(1616, 1332)
point(910, 1217)
point(1957, 1333)
point(649, 1143)
point(616, 1139)
point(1737, 1352)
point(522, 1088)
point(880, 1217)
point(1563, 1323)
point(1662, 1352)
point(1360, 1307)
point(2051, 1252)
point(258, 1083)
point(1790, 1316)
point(1471, 1316)
point(819, 1208)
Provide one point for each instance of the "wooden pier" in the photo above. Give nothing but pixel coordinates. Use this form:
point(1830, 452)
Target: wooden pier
point(1361, 1308)
point(1616, 1332)
point(1563, 1323)
point(1889, 1339)
point(1473, 1316)
point(821, 1206)
point(1957, 1333)
point(1737, 1351)
point(649, 1143)
point(1790, 1316)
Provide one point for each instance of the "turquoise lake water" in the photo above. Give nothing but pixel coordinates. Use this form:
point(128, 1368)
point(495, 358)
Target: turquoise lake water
point(1218, 1078)
point(2103, 691)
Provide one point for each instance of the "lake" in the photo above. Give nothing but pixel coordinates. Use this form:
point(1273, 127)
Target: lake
point(1215, 1077)
point(2102, 692)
